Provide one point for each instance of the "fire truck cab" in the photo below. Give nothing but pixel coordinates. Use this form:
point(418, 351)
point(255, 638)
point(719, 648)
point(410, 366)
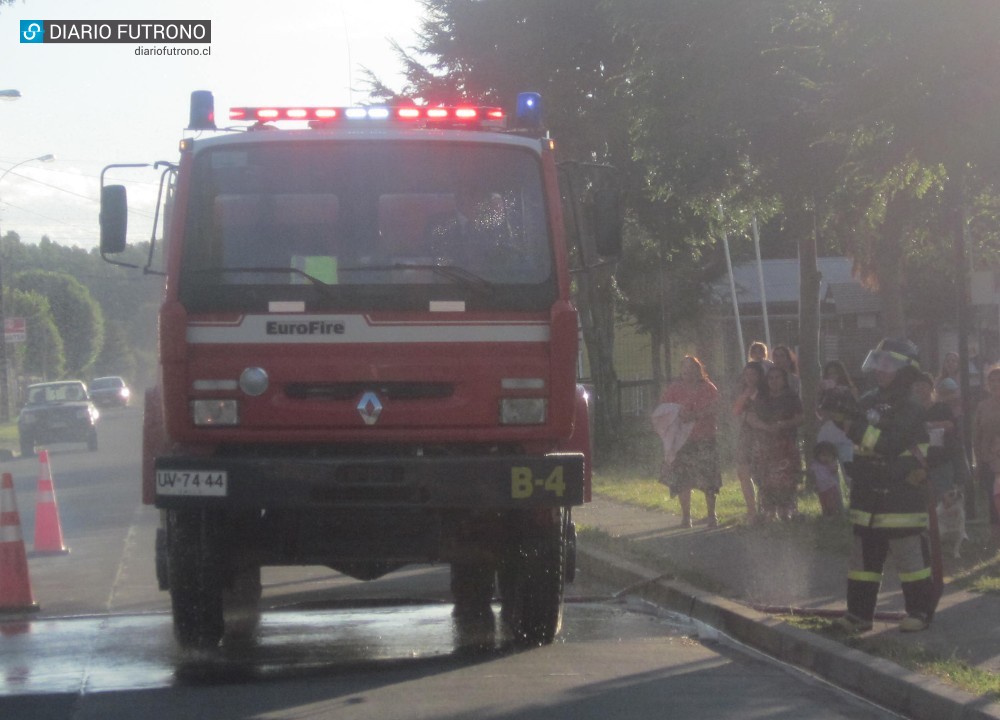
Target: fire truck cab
point(368, 356)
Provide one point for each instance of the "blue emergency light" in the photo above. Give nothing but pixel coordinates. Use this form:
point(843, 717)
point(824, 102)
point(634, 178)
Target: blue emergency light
point(202, 111)
point(529, 110)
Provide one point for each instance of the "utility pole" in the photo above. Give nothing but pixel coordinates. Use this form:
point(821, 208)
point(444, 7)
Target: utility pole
point(956, 210)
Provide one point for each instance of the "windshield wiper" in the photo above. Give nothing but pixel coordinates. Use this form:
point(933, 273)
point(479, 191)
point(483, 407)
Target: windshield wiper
point(322, 286)
point(457, 274)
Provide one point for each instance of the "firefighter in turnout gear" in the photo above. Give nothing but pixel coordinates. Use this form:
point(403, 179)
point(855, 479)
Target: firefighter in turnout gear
point(888, 508)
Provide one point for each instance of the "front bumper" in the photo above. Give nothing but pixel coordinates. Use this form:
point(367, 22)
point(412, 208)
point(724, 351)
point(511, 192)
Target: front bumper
point(80, 431)
point(450, 482)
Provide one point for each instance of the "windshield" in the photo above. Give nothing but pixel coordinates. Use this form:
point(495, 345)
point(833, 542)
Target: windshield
point(365, 225)
point(56, 393)
point(106, 383)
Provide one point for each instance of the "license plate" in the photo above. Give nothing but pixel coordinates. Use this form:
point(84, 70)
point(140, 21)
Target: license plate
point(210, 483)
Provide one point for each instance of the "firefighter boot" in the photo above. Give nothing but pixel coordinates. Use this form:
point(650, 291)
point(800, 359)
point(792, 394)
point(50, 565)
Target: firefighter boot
point(920, 598)
point(862, 596)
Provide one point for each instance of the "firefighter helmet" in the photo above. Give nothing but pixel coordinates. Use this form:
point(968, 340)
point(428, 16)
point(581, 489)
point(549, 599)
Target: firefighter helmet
point(890, 355)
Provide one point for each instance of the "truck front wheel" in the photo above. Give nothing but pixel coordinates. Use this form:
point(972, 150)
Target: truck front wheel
point(472, 590)
point(194, 566)
point(241, 599)
point(531, 582)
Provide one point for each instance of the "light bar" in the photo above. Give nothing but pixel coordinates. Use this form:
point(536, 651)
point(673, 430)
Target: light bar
point(463, 115)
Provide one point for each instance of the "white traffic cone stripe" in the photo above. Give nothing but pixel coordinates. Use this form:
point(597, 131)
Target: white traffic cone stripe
point(10, 533)
point(46, 497)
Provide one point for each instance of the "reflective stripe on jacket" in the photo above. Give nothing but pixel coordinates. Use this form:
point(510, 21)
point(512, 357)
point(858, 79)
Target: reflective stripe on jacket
point(888, 476)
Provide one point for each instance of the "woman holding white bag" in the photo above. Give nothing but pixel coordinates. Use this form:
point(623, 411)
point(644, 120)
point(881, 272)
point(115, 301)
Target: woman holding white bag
point(696, 463)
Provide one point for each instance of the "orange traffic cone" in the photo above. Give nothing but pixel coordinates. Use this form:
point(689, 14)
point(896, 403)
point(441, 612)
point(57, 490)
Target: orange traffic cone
point(15, 586)
point(48, 531)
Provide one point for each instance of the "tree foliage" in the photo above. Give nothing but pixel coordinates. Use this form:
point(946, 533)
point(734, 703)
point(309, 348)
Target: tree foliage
point(76, 314)
point(124, 299)
point(848, 117)
point(42, 355)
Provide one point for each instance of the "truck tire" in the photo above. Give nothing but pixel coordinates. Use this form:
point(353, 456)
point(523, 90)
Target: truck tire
point(196, 579)
point(241, 599)
point(162, 565)
point(472, 590)
point(531, 581)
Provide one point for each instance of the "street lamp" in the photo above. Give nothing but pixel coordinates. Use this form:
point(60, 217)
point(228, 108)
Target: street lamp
point(4, 380)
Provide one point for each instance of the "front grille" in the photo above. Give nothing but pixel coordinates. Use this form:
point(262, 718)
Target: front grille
point(57, 416)
point(352, 390)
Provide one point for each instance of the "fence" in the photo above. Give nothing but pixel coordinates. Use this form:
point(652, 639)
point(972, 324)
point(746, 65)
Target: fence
point(636, 398)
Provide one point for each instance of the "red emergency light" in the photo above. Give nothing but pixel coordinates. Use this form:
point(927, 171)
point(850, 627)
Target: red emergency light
point(464, 115)
point(267, 114)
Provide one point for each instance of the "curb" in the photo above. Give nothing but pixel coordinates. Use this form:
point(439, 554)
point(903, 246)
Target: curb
point(919, 697)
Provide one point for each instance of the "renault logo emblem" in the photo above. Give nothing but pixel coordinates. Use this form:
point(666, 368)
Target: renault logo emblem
point(369, 407)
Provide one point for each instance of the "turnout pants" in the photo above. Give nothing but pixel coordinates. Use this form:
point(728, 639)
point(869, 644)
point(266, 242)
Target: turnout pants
point(912, 556)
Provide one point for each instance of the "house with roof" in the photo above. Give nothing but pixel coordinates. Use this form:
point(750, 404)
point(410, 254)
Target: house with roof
point(850, 314)
point(850, 325)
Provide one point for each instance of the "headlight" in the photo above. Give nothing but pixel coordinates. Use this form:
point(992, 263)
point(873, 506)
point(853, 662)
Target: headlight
point(215, 412)
point(523, 411)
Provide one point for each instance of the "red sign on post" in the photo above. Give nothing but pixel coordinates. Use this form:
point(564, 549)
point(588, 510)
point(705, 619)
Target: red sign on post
point(15, 330)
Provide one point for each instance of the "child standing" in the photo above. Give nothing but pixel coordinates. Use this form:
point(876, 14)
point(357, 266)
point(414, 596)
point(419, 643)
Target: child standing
point(825, 471)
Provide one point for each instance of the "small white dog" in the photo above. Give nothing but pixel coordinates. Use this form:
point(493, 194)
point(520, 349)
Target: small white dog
point(951, 519)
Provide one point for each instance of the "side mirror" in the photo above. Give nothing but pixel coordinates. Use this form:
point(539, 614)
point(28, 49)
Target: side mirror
point(114, 219)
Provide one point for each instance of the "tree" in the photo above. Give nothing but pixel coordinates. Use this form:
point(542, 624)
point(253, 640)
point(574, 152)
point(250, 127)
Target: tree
point(42, 355)
point(909, 91)
point(125, 296)
point(721, 133)
point(852, 116)
point(76, 314)
point(117, 357)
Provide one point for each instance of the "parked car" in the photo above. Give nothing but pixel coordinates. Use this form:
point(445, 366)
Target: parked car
point(57, 412)
point(110, 391)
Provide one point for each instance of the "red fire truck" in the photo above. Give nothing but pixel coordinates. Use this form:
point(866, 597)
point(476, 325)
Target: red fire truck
point(368, 354)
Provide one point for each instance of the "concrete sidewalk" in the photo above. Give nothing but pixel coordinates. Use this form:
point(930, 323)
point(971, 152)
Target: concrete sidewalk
point(742, 578)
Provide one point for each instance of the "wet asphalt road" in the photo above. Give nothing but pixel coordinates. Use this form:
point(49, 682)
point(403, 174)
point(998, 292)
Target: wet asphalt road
point(101, 645)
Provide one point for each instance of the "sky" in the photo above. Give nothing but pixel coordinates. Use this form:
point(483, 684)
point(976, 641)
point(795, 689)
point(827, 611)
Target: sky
point(94, 104)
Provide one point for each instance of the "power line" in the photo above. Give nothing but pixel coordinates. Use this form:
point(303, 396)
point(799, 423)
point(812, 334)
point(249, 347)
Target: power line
point(87, 176)
point(55, 187)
